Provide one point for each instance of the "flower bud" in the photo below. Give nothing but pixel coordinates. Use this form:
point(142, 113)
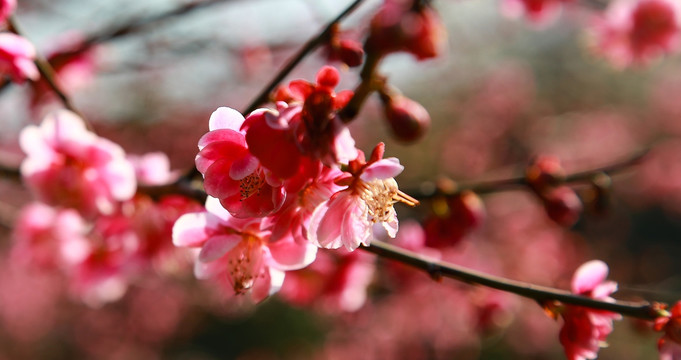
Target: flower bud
point(347, 51)
point(543, 172)
point(465, 212)
point(562, 205)
point(406, 26)
point(408, 120)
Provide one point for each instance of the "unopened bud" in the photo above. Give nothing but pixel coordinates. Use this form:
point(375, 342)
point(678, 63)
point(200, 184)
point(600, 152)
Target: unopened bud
point(466, 212)
point(398, 26)
point(408, 120)
point(562, 205)
point(543, 172)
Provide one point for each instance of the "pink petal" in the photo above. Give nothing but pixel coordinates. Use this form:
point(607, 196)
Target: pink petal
point(382, 169)
point(243, 167)
point(355, 228)
point(190, 230)
point(290, 255)
point(217, 181)
point(214, 207)
point(217, 246)
point(218, 135)
point(588, 276)
point(225, 118)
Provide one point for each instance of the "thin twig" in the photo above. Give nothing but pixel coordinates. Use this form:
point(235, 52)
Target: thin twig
point(486, 187)
point(542, 294)
point(48, 74)
point(299, 56)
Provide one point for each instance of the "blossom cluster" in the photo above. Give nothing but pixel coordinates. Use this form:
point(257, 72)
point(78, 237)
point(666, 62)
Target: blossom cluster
point(89, 221)
point(283, 182)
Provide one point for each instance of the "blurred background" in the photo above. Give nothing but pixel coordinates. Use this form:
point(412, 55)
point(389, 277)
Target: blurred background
point(503, 92)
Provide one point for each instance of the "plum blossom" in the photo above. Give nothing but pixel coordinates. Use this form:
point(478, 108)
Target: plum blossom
point(49, 238)
point(231, 172)
point(315, 129)
point(633, 32)
point(16, 57)
point(669, 344)
point(69, 166)
point(7, 7)
point(407, 25)
point(239, 251)
point(539, 12)
point(347, 218)
point(585, 330)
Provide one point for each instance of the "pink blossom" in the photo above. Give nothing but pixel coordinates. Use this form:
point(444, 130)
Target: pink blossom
point(231, 172)
point(152, 169)
point(585, 330)
point(16, 58)
point(539, 12)
point(669, 344)
point(316, 130)
point(7, 7)
point(239, 251)
point(636, 31)
point(336, 280)
point(347, 218)
point(67, 165)
point(49, 238)
point(407, 25)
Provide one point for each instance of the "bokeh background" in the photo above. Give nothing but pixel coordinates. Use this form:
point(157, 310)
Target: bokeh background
point(504, 91)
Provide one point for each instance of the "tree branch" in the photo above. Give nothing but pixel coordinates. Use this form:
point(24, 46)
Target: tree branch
point(48, 74)
point(486, 187)
point(299, 56)
point(542, 294)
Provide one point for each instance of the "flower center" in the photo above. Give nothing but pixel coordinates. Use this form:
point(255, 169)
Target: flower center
point(380, 195)
point(251, 184)
point(245, 264)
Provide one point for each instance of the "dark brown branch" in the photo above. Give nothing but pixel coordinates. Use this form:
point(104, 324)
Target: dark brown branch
point(486, 187)
point(317, 40)
point(542, 294)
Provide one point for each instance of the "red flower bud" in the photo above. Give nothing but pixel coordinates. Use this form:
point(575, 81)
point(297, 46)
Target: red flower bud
point(402, 26)
point(543, 172)
point(562, 205)
point(465, 212)
point(408, 120)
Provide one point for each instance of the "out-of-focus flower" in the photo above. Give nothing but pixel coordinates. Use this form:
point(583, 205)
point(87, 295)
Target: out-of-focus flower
point(585, 330)
point(49, 238)
point(7, 7)
point(239, 251)
point(562, 205)
point(16, 58)
point(670, 343)
point(67, 165)
point(231, 172)
point(539, 12)
point(152, 169)
point(634, 32)
point(347, 218)
point(453, 219)
point(407, 25)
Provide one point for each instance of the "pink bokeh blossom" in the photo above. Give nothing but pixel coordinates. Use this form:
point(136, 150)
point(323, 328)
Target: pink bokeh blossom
point(67, 165)
point(634, 32)
point(16, 58)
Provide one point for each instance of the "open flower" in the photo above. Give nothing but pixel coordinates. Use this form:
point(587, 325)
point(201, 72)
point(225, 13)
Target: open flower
point(231, 173)
point(347, 218)
point(16, 57)
point(585, 330)
point(69, 166)
point(239, 251)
